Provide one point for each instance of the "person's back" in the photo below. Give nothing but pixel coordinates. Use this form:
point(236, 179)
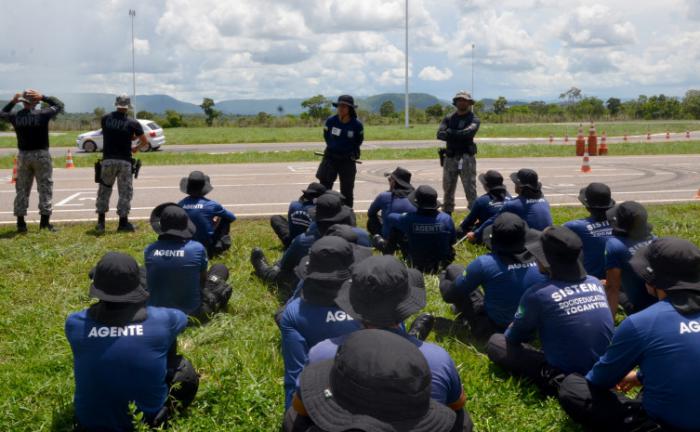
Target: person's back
point(594, 234)
point(118, 130)
point(534, 210)
point(430, 236)
point(389, 203)
point(32, 125)
point(618, 252)
point(299, 217)
point(202, 212)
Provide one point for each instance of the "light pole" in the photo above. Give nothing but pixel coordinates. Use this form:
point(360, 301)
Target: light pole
point(132, 14)
point(473, 95)
point(406, 69)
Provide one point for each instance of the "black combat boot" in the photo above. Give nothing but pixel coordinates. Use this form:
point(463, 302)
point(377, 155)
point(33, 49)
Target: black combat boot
point(45, 224)
point(421, 326)
point(100, 227)
point(21, 225)
point(125, 225)
point(264, 271)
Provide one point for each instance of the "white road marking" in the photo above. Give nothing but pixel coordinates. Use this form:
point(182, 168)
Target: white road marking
point(64, 202)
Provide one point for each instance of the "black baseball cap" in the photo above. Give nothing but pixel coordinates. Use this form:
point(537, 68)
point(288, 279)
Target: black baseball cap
point(508, 233)
point(196, 184)
point(629, 218)
point(117, 279)
point(526, 178)
point(561, 251)
point(491, 179)
point(378, 381)
point(424, 197)
point(596, 196)
point(170, 218)
point(401, 176)
point(314, 190)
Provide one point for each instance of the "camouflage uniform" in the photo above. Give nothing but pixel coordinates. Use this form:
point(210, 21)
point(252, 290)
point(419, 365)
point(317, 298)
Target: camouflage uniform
point(119, 171)
point(30, 164)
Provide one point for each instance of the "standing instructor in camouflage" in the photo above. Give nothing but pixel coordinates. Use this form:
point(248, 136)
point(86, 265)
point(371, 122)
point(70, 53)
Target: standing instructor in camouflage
point(118, 131)
point(34, 160)
point(459, 158)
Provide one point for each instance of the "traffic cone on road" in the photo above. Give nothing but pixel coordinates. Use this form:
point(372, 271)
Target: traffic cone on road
point(580, 141)
point(697, 194)
point(566, 137)
point(592, 140)
point(13, 180)
point(603, 150)
point(625, 138)
point(668, 135)
point(69, 160)
point(648, 136)
point(551, 138)
point(687, 134)
point(586, 165)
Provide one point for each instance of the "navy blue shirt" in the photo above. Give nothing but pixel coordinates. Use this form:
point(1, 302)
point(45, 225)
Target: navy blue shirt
point(298, 217)
point(301, 244)
point(202, 212)
point(303, 325)
point(388, 203)
point(115, 365)
point(484, 208)
point(594, 234)
point(504, 284)
point(534, 211)
point(343, 139)
point(429, 237)
point(32, 126)
point(618, 252)
point(666, 347)
point(118, 131)
point(573, 321)
point(173, 269)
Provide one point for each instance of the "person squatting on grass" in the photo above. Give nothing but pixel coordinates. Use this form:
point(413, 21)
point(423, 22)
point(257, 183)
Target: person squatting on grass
point(393, 201)
point(34, 160)
point(176, 267)
point(487, 205)
point(125, 351)
point(298, 215)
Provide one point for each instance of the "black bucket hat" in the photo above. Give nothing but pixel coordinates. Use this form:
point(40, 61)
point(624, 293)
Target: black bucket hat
point(424, 197)
point(345, 100)
point(313, 191)
point(196, 184)
point(491, 180)
point(378, 381)
point(526, 178)
point(561, 251)
point(670, 264)
point(508, 234)
point(171, 219)
point(327, 267)
point(345, 232)
point(401, 176)
point(629, 218)
point(382, 291)
point(330, 209)
point(117, 279)
point(596, 196)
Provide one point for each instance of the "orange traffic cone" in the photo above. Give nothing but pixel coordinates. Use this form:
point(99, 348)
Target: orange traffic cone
point(586, 166)
point(592, 140)
point(580, 141)
point(13, 180)
point(625, 138)
point(551, 138)
point(69, 160)
point(603, 150)
point(648, 136)
point(668, 135)
point(697, 194)
point(566, 137)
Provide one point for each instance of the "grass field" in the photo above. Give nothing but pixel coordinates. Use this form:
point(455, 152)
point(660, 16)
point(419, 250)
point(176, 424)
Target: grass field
point(485, 151)
point(45, 278)
point(381, 133)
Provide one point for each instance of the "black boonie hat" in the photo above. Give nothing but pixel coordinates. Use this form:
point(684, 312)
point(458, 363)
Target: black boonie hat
point(117, 279)
point(424, 197)
point(170, 218)
point(345, 100)
point(378, 381)
point(196, 184)
point(382, 291)
point(330, 209)
point(560, 250)
point(629, 218)
point(328, 266)
point(314, 190)
point(669, 263)
point(596, 196)
point(491, 179)
point(508, 233)
point(346, 232)
point(401, 176)
point(526, 178)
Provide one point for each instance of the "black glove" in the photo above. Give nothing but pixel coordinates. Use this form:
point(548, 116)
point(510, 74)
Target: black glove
point(357, 154)
point(442, 135)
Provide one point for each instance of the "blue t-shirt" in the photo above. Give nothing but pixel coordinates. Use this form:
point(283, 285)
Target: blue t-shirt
point(298, 217)
point(388, 203)
point(594, 234)
point(504, 284)
point(303, 325)
point(301, 244)
point(573, 321)
point(343, 139)
point(534, 211)
point(429, 238)
point(173, 271)
point(446, 384)
point(115, 365)
point(666, 347)
point(618, 252)
point(202, 212)
point(483, 209)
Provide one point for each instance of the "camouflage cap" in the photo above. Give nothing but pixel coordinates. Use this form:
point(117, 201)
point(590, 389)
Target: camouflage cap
point(463, 94)
point(123, 101)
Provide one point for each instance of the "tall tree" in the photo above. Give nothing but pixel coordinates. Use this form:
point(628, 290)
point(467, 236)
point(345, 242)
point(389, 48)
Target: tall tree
point(212, 113)
point(500, 105)
point(387, 109)
point(318, 107)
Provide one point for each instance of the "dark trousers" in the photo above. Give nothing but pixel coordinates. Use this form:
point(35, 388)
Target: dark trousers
point(221, 239)
point(280, 226)
point(344, 168)
point(474, 313)
point(524, 360)
point(605, 410)
point(216, 292)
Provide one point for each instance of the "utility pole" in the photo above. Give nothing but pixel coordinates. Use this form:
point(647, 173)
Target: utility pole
point(473, 94)
point(132, 14)
point(406, 71)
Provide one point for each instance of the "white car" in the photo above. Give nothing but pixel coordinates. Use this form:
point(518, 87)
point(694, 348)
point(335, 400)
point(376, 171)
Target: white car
point(92, 141)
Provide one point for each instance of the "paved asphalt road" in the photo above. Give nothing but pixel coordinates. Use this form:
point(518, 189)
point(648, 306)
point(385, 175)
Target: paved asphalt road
point(265, 189)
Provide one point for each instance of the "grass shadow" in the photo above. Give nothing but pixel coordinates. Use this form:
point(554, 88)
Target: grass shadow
point(11, 234)
point(447, 328)
point(63, 418)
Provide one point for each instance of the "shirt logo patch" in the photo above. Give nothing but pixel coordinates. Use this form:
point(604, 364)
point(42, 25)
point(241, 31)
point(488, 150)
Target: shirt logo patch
point(169, 253)
point(337, 316)
point(351, 134)
point(690, 327)
point(336, 131)
point(426, 228)
point(103, 332)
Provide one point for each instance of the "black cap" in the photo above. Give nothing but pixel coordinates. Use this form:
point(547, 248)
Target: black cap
point(197, 184)
point(402, 177)
point(346, 232)
point(491, 179)
point(526, 178)
point(378, 381)
point(117, 279)
point(560, 250)
point(346, 100)
point(328, 266)
point(596, 196)
point(424, 197)
point(669, 263)
point(508, 233)
point(382, 291)
point(629, 218)
point(171, 219)
point(330, 209)
point(314, 190)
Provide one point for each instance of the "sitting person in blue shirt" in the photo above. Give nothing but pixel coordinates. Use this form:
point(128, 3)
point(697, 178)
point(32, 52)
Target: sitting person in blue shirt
point(568, 311)
point(176, 267)
point(530, 204)
point(426, 237)
point(631, 231)
point(125, 351)
point(212, 220)
point(298, 215)
point(657, 348)
point(594, 230)
point(395, 200)
point(504, 274)
point(488, 204)
point(314, 316)
point(381, 294)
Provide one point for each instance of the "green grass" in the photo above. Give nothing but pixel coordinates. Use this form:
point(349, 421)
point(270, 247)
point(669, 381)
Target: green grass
point(203, 135)
point(237, 354)
point(485, 151)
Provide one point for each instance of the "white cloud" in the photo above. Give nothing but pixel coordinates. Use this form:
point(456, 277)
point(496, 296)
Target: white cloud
point(142, 46)
point(431, 73)
point(597, 26)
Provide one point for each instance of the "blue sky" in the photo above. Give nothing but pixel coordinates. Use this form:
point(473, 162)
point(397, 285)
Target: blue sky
point(226, 49)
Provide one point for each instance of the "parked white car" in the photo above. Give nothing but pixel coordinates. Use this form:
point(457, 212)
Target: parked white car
point(92, 141)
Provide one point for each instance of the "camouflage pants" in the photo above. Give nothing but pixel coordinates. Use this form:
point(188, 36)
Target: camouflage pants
point(119, 171)
point(30, 164)
point(453, 169)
